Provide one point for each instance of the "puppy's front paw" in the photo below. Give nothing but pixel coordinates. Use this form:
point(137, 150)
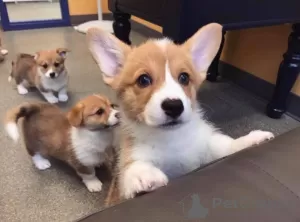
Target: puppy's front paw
point(63, 97)
point(52, 100)
point(22, 90)
point(40, 162)
point(142, 177)
point(93, 185)
point(259, 136)
point(4, 51)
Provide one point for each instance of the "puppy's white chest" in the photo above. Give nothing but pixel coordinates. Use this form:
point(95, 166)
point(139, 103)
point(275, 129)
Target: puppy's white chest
point(89, 146)
point(175, 153)
point(55, 84)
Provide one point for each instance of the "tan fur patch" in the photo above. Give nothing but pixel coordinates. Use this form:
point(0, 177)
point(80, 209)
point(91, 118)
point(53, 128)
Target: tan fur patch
point(86, 112)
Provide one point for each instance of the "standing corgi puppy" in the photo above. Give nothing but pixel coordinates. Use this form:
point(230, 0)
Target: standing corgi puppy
point(46, 71)
point(164, 134)
point(80, 138)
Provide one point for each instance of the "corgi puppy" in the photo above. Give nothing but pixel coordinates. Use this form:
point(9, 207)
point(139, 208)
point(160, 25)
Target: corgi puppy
point(79, 138)
point(163, 132)
point(45, 71)
point(3, 52)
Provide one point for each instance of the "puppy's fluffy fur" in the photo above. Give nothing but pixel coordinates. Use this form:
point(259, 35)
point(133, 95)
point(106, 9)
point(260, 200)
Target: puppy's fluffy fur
point(80, 138)
point(45, 70)
point(164, 134)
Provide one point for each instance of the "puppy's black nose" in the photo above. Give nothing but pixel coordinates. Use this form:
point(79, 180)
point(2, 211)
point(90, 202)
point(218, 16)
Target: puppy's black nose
point(172, 107)
point(52, 74)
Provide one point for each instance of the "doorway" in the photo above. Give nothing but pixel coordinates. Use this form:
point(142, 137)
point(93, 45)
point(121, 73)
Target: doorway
point(31, 14)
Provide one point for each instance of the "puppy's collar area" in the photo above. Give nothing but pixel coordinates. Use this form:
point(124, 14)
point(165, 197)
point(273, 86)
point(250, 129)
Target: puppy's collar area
point(101, 127)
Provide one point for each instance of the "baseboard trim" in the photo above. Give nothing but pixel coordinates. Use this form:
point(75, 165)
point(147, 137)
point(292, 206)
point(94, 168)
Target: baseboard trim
point(78, 19)
point(135, 26)
point(259, 87)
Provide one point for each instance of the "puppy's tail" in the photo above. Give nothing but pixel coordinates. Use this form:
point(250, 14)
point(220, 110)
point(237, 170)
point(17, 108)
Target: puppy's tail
point(13, 115)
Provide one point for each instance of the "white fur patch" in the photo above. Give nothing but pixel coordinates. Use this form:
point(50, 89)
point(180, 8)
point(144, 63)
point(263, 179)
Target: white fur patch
point(141, 176)
point(50, 97)
point(12, 131)
point(21, 89)
point(9, 79)
point(112, 119)
point(90, 145)
point(162, 43)
point(62, 95)
point(47, 74)
point(92, 183)
point(40, 162)
point(180, 150)
point(55, 84)
point(154, 115)
point(4, 51)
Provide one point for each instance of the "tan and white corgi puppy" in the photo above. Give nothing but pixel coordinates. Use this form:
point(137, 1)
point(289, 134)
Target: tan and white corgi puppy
point(164, 134)
point(80, 138)
point(45, 71)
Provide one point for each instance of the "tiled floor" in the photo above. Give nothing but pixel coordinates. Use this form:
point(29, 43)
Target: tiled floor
point(57, 195)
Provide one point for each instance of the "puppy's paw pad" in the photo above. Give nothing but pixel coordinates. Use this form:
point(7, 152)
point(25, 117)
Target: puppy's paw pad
point(146, 180)
point(94, 185)
point(63, 98)
point(42, 164)
point(259, 136)
point(52, 100)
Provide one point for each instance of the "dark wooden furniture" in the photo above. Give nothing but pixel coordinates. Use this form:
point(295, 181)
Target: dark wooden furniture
point(180, 19)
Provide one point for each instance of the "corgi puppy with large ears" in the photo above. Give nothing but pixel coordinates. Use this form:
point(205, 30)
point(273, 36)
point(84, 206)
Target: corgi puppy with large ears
point(45, 71)
point(164, 134)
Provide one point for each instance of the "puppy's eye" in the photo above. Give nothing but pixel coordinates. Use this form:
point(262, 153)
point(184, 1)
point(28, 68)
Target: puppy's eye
point(144, 80)
point(114, 106)
point(56, 64)
point(45, 65)
point(100, 112)
point(184, 78)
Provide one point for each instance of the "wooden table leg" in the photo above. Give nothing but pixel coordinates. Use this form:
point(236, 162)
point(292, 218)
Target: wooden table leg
point(287, 75)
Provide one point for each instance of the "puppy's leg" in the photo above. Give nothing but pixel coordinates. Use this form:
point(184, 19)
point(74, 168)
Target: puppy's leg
point(4, 51)
point(22, 90)
point(113, 196)
point(222, 145)
point(50, 97)
point(141, 177)
point(89, 178)
point(40, 162)
point(62, 95)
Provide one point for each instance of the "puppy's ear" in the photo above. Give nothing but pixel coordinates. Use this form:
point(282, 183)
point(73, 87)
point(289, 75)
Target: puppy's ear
point(203, 47)
point(108, 51)
point(62, 52)
point(75, 115)
point(36, 56)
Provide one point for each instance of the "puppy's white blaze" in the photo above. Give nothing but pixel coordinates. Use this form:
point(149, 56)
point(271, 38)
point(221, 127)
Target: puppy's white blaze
point(162, 43)
point(154, 115)
point(112, 119)
point(9, 79)
point(48, 72)
point(12, 131)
